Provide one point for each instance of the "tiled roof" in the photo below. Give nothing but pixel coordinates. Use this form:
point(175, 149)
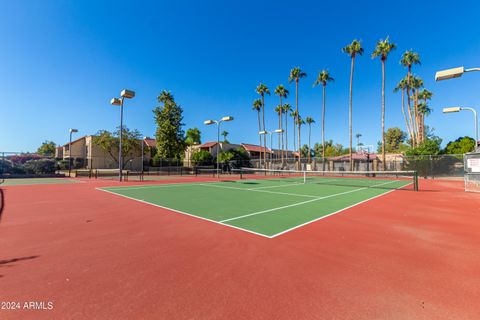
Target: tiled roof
point(207, 145)
point(255, 148)
point(152, 143)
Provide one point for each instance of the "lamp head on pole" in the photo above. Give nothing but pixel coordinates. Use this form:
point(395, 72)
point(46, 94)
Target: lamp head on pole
point(263, 132)
point(115, 102)
point(449, 73)
point(208, 122)
point(129, 94)
point(279, 131)
point(453, 109)
point(227, 118)
point(73, 130)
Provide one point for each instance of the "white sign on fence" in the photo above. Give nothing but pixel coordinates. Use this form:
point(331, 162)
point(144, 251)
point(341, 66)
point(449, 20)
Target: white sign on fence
point(474, 164)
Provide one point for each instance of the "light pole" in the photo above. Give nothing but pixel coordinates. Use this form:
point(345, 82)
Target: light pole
point(70, 152)
point(119, 102)
point(458, 109)
point(452, 73)
point(271, 139)
point(217, 122)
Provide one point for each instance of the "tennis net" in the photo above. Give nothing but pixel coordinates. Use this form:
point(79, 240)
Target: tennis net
point(372, 179)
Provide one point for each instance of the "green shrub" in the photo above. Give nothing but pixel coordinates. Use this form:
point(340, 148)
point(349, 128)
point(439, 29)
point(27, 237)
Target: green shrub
point(40, 166)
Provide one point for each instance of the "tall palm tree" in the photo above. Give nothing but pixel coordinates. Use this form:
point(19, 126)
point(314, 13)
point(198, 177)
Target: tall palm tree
point(294, 114)
point(286, 109)
point(382, 50)
point(257, 106)
point(295, 75)
point(224, 134)
point(281, 92)
point(323, 78)
point(415, 84)
point(358, 136)
point(410, 58)
point(402, 85)
point(424, 110)
point(309, 121)
point(279, 111)
point(353, 49)
point(262, 90)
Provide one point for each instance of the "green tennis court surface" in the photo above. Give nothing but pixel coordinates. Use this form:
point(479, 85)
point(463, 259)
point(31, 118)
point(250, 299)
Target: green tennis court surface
point(21, 181)
point(267, 207)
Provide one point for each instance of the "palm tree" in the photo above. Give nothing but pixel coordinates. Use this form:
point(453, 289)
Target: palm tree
point(309, 121)
point(294, 114)
point(415, 84)
point(424, 110)
point(224, 134)
point(279, 111)
point(295, 75)
point(358, 136)
point(353, 49)
point(286, 109)
point(402, 85)
point(262, 90)
point(382, 49)
point(281, 92)
point(323, 78)
point(409, 58)
point(257, 106)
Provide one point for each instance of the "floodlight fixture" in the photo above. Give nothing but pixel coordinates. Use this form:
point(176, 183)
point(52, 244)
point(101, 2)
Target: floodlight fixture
point(128, 94)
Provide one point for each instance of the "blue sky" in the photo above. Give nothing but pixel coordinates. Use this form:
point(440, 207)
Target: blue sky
point(62, 61)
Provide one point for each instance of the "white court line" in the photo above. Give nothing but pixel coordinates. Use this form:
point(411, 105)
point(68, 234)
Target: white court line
point(185, 213)
point(303, 202)
point(256, 190)
point(162, 185)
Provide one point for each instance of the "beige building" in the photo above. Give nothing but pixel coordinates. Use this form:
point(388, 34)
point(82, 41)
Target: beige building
point(90, 156)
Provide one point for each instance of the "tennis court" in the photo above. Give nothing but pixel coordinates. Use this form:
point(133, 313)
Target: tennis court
point(269, 203)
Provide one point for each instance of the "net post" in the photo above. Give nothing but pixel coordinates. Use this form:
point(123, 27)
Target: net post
point(304, 177)
point(415, 180)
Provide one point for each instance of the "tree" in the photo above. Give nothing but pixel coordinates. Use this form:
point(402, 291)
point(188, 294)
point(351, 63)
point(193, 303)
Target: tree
point(225, 134)
point(169, 134)
point(410, 58)
point(109, 143)
point(309, 121)
point(262, 90)
point(431, 146)
point(257, 106)
point(460, 146)
point(394, 140)
point(358, 136)
point(423, 110)
point(202, 157)
point(306, 151)
point(353, 49)
point(279, 111)
point(402, 85)
point(193, 136)
point(382, 50)
point(286, 109)
point(295, 75)
point(47, 148)
point(293, 115)
point(282, 93)
point(323, 78)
